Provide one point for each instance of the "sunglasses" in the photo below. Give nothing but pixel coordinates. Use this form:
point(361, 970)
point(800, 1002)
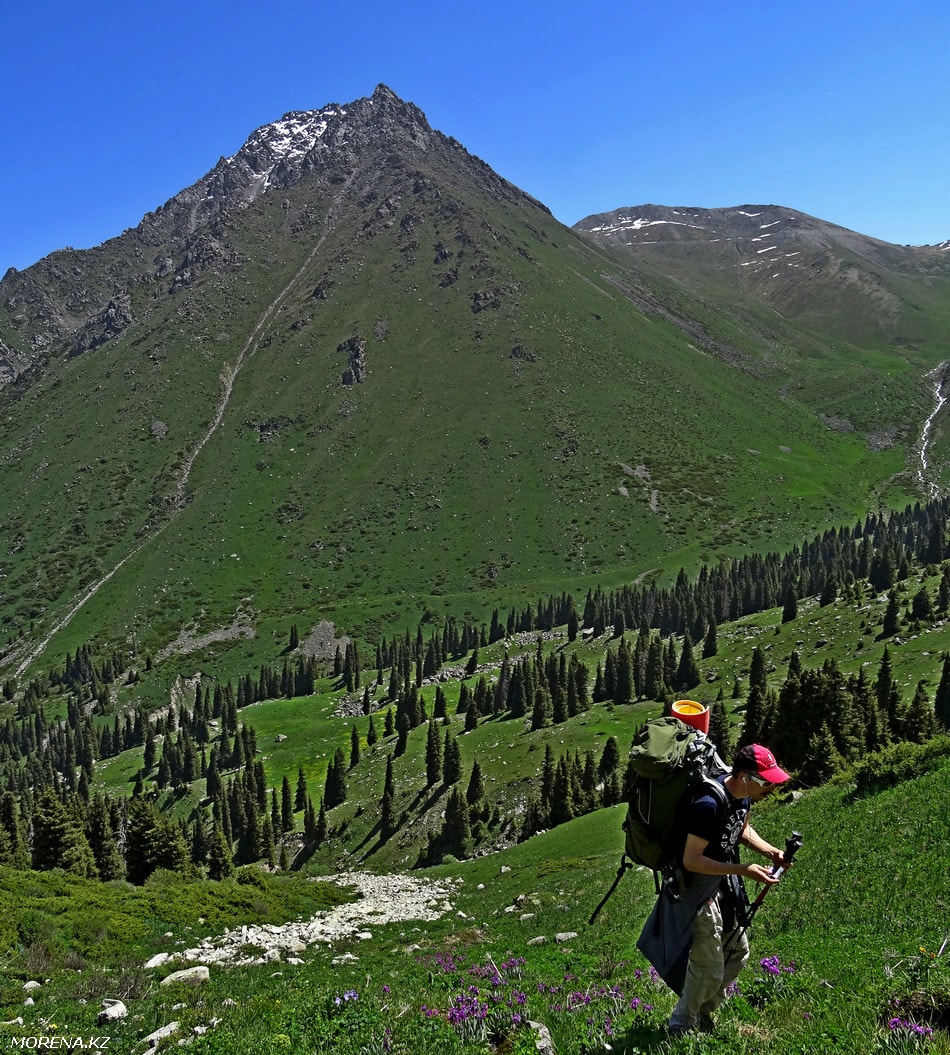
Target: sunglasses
point(760, 781)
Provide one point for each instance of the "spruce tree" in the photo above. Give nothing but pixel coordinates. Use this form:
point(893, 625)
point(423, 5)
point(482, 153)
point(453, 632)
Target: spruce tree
point(451, 760)
point(920, 723)
point(942, 697)
point(654, 683)
point(790, 608)
point(286, 806)
point(59, 840)
point(821, 760)
point(151, 841)
point(720, 729)
point(321, 828)
point(476, 787)
point(623, 674)
point(562, 798)
point(892, 616)
point(387, 818)
point(687, 673)
point(711, 642)
point(220, 862)
point(433, 754)
point(335, 789)
point(609, 759)
point(402, 739)
point(102, 841)
point(456, 830)
point(541, 711)
point(310, 822)
point(17, 854)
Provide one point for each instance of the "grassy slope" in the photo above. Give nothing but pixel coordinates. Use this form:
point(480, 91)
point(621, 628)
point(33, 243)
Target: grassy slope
point(458, 475)
point(508, 753)
point(867, 894)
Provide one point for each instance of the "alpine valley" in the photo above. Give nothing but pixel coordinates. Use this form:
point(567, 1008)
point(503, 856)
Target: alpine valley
point(351, 479)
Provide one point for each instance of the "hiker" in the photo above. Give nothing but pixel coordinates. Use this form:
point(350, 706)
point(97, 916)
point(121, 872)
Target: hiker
point(695, 936)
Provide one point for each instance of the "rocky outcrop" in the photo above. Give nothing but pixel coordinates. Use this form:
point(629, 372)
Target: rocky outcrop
point(12, 364)
point(115, 317)
point(356, 371)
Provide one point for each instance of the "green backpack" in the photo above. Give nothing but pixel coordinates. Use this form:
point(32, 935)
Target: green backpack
point(670, 761)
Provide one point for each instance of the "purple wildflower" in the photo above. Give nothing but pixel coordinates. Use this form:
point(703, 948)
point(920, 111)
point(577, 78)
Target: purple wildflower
point(905, 1025)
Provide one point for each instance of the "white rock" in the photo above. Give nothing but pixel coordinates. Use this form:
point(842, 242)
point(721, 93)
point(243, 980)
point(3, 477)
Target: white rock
point(565, 936)
point(28, 987)
point(157, 960)
point(160, 1034)
point(544, 1045)
point(112, 1011)
point(189, 976)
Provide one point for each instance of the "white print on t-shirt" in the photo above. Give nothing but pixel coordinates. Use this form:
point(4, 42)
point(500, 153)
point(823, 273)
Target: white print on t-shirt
point(732, 830)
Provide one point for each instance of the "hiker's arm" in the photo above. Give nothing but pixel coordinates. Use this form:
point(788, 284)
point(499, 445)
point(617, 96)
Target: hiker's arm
point(751, 838)
point(695, 860)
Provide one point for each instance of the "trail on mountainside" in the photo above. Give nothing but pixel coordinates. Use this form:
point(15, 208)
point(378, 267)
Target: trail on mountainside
point(228, 377)
point(938, 377)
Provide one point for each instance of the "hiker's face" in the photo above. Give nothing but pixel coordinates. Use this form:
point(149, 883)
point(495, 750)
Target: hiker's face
point(758, 788)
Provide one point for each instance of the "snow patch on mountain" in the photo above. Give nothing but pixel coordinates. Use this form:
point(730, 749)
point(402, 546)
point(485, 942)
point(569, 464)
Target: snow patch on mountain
point(293, 136)
point(637, 223)
point(287, 140)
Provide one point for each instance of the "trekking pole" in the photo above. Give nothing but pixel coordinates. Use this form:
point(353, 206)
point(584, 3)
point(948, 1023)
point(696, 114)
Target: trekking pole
point(792, 845)
point(624, 865)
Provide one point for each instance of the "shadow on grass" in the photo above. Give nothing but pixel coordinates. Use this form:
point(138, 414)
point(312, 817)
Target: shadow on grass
point(643, 1038)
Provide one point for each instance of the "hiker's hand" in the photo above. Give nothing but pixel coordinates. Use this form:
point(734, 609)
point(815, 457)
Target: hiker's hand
point(778, 859)
point(759, 873)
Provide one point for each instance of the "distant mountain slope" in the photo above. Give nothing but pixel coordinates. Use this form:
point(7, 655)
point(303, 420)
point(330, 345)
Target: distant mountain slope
point(353, 373)
point(801, 266)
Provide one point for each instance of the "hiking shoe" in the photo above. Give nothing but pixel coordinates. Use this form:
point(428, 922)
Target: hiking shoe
point(707, 1024)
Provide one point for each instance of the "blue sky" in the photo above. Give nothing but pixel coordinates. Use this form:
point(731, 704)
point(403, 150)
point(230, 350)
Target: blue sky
point(840, 109)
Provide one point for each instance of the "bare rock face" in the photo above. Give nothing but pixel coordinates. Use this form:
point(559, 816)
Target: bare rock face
point(115, 317)
point(12, 364)
point(356, 371)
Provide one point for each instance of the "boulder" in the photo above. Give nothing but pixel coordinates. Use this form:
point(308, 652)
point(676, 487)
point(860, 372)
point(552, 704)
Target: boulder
point(189, 976)
point(112, 1011)
point(160, 1034)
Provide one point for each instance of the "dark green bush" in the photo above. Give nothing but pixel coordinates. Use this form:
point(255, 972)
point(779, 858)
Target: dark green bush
point(899, 762)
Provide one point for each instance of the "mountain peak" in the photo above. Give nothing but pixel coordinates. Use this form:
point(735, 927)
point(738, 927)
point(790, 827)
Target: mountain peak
point(290, 138)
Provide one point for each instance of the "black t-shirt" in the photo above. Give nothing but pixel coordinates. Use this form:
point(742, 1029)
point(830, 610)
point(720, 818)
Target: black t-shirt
point(720, 825)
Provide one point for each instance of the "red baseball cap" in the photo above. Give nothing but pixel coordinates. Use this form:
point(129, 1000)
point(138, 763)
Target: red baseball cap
point(760, 760)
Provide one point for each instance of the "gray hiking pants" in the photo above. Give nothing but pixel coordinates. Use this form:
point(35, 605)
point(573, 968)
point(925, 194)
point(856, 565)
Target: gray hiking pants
point(711, 971)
